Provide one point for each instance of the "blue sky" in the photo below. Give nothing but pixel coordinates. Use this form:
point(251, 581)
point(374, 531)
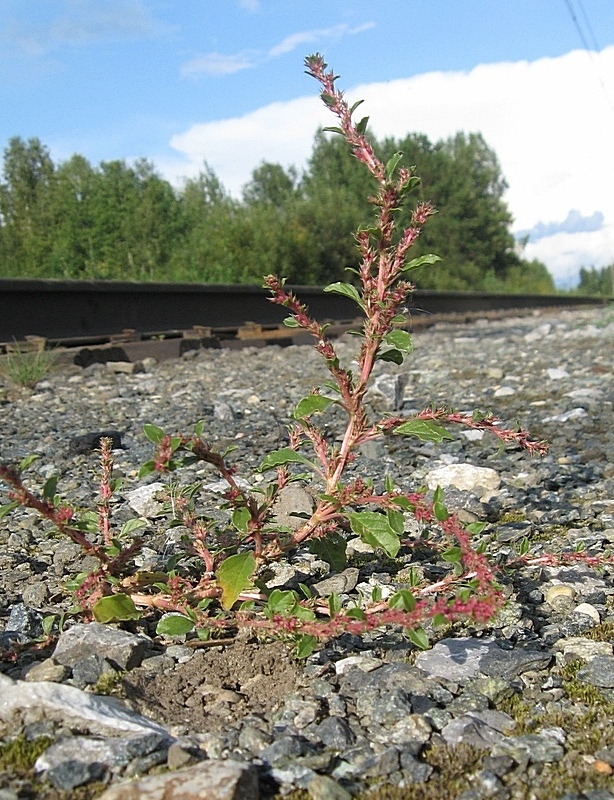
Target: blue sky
point(183, 81)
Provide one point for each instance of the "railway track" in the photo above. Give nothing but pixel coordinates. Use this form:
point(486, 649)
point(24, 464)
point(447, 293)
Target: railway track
point(115, 321)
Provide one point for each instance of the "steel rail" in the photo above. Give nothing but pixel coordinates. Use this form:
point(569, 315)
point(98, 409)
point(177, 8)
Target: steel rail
point(60, 311)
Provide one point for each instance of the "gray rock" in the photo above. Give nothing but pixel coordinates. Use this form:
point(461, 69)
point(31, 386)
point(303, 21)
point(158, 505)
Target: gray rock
point(70, 774)
point(47, 670)
point(294, 504)
point(479, 728)
point(215, 780)
point(89, 670)
point(73, 761)
point(459, 659)
point(599, 672)
point(336, 733)
point(24, 621)
point(26, 703)
point(533, 748)
point(342, 582)
point(282, 749)
point(321, 787)
point(122, 649)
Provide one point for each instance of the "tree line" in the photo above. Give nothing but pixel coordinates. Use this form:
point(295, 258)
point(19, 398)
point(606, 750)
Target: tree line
point(120, 221)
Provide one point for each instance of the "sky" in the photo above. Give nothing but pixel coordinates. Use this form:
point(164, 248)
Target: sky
point(184, 82)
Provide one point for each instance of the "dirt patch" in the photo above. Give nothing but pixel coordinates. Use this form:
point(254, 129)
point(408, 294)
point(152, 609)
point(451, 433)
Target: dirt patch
point(217, 686)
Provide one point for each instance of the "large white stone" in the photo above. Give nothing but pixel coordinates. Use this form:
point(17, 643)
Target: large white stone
point(34, 701)
point(466, 477)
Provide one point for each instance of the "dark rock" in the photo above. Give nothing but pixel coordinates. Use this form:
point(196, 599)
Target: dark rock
point(336, 733)
point(86, 443)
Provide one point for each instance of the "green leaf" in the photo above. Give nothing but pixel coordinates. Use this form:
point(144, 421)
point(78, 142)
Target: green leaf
point(75, 583)
point(147, 468)
point(356, 613)
point(50, 486)
point(47, 623)
point(240, 518)
point(424, 429)
point(4, 510)
point(523, 546)
point(475, 528)
point(453, 554)
point(361, 126)
point(331, 549)
point(115, 608)
point(174, 625)
point(281, 601)
point(429, 258)
point(132, 525)
point(334, 604)
point(305, 645)
point(25, 462)
point(280, 457)
point(439, 507)
point(396, 520)
point(355, 106)
point(403, 600)
point(439, 620)
point(290, 322)
point(233, 575)
point(399, 339)
point(345, 289)
point(395, 356)
point(333, 129)
point(199, 428)
point(392, 164)
point(374, 529)
point(312, 404)
point(153, 433)
point(419, 638)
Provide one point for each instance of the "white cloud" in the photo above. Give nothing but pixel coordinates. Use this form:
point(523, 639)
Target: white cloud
point(217, 64)
point(295, 40)
point(250, 5)
point(565, 253)
point(84, 23)
point(549, 121)
point(234, 147)
point(220, 64)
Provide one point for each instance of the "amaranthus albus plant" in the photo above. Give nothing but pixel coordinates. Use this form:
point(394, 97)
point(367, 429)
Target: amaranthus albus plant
point(227, 588)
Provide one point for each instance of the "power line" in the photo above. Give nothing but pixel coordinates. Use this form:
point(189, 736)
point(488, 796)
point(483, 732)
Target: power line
point(588, 25)
point(589, 50)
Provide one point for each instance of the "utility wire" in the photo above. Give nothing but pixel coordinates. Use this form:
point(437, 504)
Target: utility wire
point(589, 50)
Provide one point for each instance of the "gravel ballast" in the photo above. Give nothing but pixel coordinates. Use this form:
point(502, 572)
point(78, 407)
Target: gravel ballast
point(519, 708)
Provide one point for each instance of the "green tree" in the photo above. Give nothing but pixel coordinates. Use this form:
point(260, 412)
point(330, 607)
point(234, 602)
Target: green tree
point(72, 246)
point(25, 213)
point(597, 281)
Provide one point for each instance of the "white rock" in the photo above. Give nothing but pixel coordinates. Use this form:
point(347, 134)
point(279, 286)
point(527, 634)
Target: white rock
point(213, 780)
point(557, 373)
point(143, 500)
point(473, 435)
point(364, 663)
point(504, 391)
point(567, 416)
point(589, 610)
point(466, 477)
point(34, 701)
